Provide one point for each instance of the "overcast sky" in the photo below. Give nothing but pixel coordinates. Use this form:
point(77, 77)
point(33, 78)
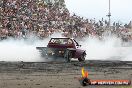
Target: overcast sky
point(121, 10)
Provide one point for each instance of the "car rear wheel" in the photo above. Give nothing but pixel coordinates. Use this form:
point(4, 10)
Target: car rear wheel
point(68, 60)
point(67, 56)
point(82, 58)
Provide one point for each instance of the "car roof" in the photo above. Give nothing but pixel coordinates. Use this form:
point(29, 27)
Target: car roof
point(60, 38)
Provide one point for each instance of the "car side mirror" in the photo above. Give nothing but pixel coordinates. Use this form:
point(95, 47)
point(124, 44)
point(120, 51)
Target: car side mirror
point(78, 45)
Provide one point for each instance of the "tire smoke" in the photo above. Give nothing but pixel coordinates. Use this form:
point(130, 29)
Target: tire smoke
point(21, 50)
point(109, 48)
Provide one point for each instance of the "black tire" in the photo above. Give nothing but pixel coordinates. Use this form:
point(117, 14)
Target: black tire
point(82, 58)
point(68, 60)
point(67, 56)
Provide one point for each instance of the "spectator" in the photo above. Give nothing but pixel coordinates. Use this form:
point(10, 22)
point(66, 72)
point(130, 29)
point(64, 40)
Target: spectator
point(20, 18)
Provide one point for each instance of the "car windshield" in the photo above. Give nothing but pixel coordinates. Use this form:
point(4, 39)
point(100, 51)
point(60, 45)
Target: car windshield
point(61, 41)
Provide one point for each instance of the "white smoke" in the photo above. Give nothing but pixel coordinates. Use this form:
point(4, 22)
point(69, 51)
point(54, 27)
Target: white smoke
point(24, 50)
point(21, 50)
point(110, 48)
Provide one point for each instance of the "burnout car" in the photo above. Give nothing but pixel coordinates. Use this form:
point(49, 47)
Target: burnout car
point(66, 48)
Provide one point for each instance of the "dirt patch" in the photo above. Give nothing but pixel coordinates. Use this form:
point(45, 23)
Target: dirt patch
point(60, 74)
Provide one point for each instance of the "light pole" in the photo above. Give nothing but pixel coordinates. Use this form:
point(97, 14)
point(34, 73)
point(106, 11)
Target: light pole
point(109, 14)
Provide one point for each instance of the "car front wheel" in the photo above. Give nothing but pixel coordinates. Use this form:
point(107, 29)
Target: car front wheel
point(82, 58)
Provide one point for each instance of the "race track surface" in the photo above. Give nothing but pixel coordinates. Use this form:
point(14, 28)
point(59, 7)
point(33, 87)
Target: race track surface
point(61, 74)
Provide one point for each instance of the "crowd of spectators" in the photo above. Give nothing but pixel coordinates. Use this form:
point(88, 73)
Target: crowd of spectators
point(42, 18)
